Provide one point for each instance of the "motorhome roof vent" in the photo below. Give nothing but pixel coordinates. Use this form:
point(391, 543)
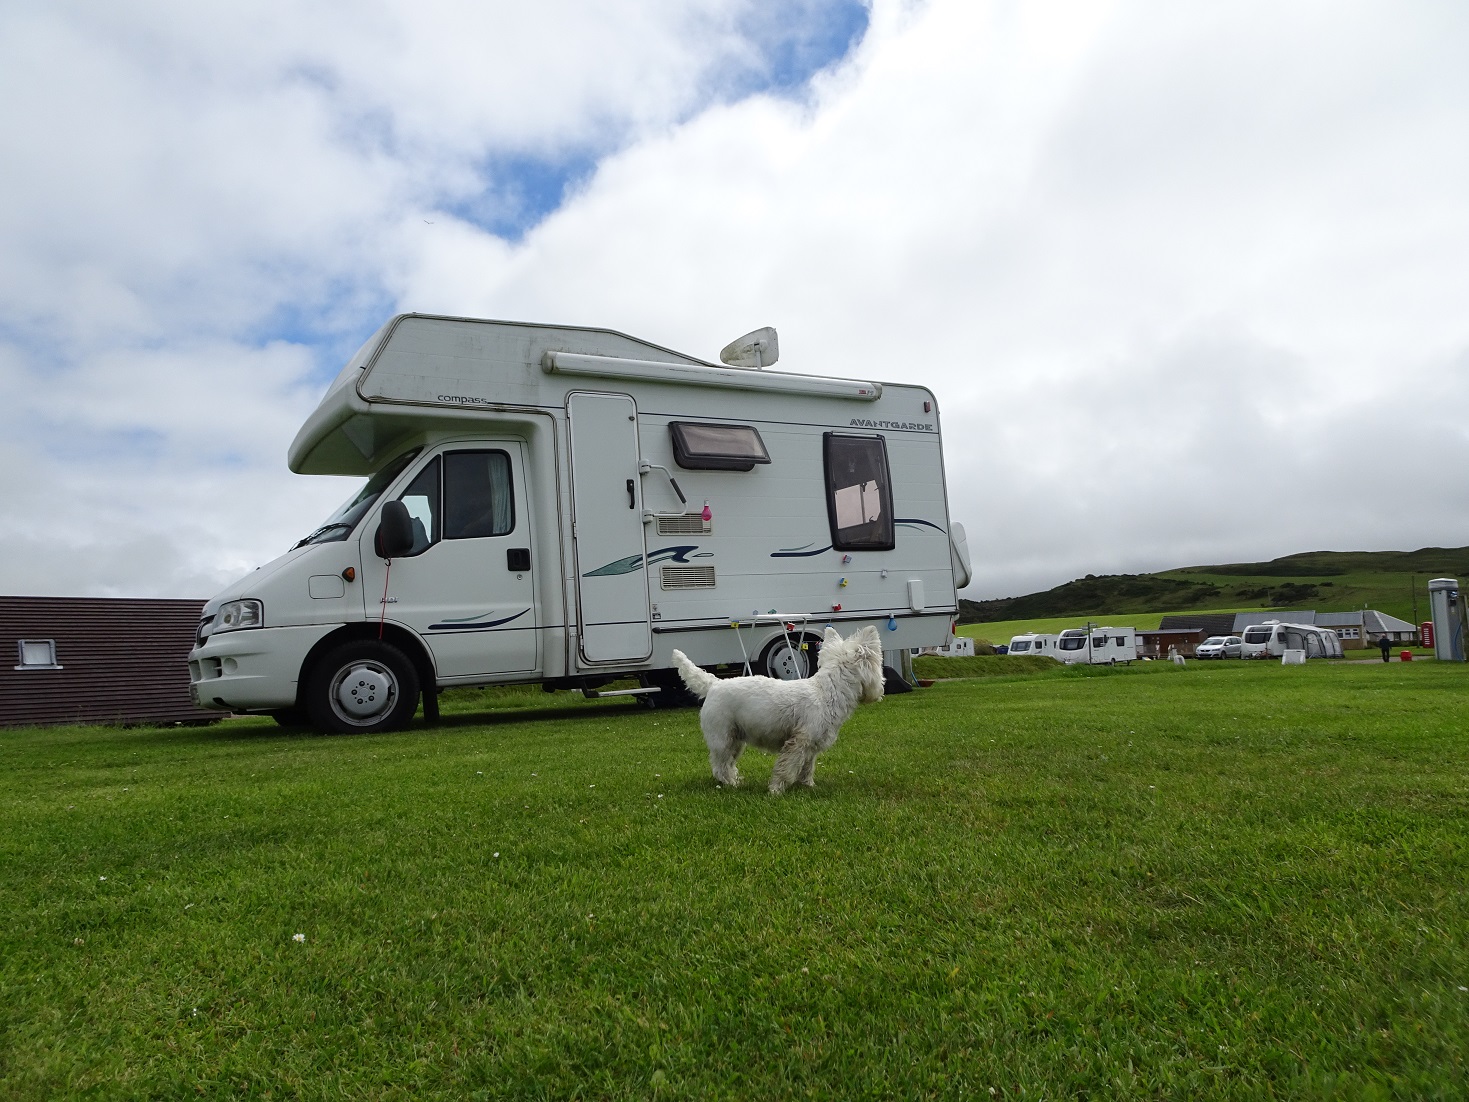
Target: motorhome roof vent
point(688, 577)
point(691, 524)
point(758, 349)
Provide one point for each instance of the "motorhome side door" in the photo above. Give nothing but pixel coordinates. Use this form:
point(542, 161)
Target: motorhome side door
point(608, 535)
point(466, 589)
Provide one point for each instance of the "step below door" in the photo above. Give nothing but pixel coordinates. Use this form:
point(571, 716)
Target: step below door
point(613, 610)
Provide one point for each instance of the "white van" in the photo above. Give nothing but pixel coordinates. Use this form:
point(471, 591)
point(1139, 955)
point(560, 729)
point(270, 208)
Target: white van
point(1103, 646)
point(1034, 643)
point(566, 506)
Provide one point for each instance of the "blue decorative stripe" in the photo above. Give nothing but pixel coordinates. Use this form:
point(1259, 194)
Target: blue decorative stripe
point(469, 625)
point(798, 553)
point(676, 553)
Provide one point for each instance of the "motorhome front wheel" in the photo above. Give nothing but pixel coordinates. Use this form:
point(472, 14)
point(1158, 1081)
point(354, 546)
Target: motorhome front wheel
point(363, 686)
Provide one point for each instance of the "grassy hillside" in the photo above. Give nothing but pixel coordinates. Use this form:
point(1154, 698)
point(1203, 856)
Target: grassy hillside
point(1327, 581)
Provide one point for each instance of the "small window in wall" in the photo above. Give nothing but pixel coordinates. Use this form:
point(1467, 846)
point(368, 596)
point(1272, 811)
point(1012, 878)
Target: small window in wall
point(859, 496)
point(38, 654)
point(478, 498)
point(701, 447)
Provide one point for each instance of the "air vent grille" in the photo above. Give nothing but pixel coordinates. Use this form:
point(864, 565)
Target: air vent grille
point(691, 525)
point(688, 577)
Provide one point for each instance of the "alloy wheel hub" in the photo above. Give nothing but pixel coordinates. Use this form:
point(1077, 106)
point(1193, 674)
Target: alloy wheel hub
point(365, 692)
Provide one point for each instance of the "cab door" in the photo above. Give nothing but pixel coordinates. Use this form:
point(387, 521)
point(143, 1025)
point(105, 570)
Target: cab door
point(467, 586)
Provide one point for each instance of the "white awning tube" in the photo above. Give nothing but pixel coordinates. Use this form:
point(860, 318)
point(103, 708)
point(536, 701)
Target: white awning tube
point(731, 378)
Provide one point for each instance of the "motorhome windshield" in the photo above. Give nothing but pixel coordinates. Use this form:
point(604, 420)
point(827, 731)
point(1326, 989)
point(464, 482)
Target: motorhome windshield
point(339, 525)
point(1018, 645)
point(1257, 635)
point(1072, 642)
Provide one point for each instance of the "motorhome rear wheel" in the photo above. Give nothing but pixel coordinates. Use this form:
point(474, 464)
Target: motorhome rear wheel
point(363, 686)
point(785, 662)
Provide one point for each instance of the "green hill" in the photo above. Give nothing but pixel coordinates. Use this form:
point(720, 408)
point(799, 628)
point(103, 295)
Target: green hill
point(1327, 581)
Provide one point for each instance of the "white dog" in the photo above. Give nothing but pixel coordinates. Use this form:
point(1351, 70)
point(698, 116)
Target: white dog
point(795, 719)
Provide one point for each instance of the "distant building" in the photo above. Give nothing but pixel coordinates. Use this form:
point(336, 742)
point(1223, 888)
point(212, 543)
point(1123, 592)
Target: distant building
point(1365, 626)
point(96, 660)
point(1155, 643)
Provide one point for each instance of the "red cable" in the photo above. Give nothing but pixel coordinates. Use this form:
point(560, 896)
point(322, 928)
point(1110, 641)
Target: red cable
point(383, 615)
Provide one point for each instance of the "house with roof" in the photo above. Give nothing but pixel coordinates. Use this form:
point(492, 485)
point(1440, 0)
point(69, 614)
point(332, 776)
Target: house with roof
point(1365, 626)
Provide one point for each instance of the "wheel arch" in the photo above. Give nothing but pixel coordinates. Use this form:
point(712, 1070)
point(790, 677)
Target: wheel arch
point(406, 641)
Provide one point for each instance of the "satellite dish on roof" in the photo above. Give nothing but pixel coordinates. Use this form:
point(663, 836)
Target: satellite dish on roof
point(758, 349)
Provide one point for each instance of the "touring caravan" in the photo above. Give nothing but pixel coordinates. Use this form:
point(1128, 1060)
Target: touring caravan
point(1034, 643)
point(565, 506)
point(958, 646)
point(1103, 646)
point(1273, 638)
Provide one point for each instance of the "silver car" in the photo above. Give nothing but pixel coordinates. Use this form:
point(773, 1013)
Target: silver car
point(1219, 646)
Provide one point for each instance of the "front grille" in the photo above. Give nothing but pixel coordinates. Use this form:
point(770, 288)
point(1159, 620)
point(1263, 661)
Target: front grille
point(688, 577)
point(690, 525)
point(203, 632)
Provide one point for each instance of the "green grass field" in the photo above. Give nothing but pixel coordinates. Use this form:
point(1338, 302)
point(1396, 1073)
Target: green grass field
point(1226, 880)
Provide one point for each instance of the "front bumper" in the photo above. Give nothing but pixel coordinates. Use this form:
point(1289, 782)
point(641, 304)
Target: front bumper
point(252, 670)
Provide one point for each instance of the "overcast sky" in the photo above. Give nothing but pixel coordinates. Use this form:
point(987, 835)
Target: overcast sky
point(1191, 281)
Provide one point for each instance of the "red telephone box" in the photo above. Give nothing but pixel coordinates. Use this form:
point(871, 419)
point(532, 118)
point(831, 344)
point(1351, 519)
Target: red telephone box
point(1425, 633)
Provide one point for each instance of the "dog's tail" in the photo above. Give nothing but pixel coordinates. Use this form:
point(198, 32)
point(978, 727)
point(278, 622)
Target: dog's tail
point(698, 681)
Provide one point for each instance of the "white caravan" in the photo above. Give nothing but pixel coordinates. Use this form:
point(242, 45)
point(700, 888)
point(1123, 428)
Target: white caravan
point(1105, 646)
point(1034, 643)
point(958, 646)
point(1273, 638)
point(566, 506)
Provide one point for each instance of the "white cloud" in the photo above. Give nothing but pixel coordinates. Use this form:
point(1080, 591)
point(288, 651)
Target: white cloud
point(1178, 275)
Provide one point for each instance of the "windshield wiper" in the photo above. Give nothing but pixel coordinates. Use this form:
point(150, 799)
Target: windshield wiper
point(323, 530)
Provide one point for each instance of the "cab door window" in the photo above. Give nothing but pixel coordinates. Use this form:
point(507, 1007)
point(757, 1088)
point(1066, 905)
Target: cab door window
point(479, 499)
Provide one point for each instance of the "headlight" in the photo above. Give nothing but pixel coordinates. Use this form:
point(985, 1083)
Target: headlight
point(234, 615)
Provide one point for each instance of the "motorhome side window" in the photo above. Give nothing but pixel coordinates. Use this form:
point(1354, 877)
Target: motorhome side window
point(859, 496)
point(701, 447)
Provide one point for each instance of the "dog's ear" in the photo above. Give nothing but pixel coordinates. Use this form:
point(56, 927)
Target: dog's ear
point(870, 638)
point(830, 636)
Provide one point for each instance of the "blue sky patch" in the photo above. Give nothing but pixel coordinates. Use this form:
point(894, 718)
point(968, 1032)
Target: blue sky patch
point(521, 190)
point(798, 40)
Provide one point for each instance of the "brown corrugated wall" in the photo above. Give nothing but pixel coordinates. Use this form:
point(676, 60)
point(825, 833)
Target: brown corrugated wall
point(123, 661)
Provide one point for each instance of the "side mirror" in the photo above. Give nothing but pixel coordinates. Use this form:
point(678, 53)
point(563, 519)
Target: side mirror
point(394, 537)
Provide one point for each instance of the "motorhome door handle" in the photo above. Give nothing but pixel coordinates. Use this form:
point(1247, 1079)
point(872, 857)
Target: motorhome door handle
point(632, 498)
point(517, 558)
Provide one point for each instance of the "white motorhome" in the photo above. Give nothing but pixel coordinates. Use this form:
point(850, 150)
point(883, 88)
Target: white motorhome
point(1103, 646)
point(566, 506)
point(1034, 643)
point(1273, 638)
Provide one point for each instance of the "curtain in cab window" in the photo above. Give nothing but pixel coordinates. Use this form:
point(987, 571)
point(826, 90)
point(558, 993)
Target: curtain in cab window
point(478, 497)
